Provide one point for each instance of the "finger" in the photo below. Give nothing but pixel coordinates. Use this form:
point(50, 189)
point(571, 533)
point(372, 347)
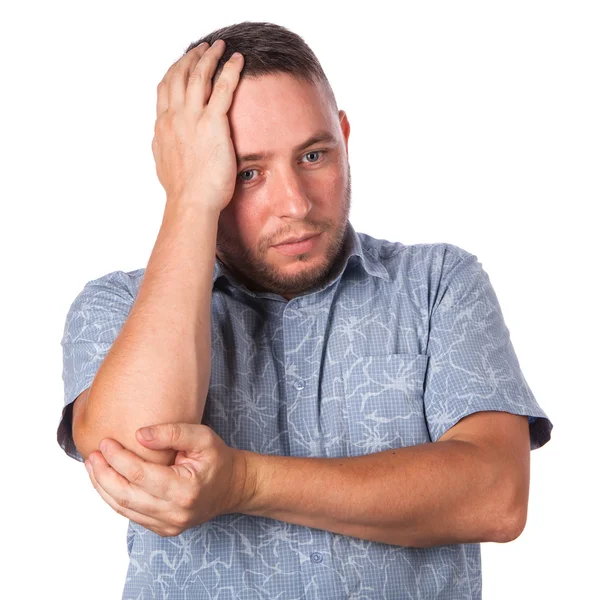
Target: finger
point(179, 78)
point(188, 437)
point(156, 480)
point(199, 83)
point(162, 90)
point(222, 94)
point(124, 493)
point(142, 519)
point(162, 98)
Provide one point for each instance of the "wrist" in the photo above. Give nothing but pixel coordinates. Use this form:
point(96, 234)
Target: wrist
point(196, 204)
point(248, 479)
point(192, 216)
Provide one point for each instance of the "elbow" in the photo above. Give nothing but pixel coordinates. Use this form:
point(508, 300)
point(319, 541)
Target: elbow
point(507, 504)
point(510, 528)
point(516, 510)
point(87, 440)
point(514, 527)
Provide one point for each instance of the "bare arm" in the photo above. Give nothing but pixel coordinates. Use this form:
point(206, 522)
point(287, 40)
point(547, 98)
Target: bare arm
point(158, 368)
point(433, 494)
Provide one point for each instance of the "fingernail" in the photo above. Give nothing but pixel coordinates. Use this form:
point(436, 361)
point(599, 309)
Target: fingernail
point(147, 433)
point(88, 466)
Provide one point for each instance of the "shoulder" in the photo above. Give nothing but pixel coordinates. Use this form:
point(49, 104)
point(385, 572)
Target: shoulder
point(420, 273)
point(124, 279)
point(438, 257)
point(116, 284)
point(111, 293)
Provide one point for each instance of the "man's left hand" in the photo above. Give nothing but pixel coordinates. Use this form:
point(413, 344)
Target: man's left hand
point(209, 478)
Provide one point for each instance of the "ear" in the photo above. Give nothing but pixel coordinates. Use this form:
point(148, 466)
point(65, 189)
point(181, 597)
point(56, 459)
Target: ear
point(345, 125)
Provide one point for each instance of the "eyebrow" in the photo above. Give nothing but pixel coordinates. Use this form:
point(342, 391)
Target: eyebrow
point(319, 136)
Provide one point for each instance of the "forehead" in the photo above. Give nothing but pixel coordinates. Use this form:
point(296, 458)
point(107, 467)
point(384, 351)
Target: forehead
point(274, 111)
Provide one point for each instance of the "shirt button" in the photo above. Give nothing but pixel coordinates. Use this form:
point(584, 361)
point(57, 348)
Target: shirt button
point(316, 557)
point(299, 385)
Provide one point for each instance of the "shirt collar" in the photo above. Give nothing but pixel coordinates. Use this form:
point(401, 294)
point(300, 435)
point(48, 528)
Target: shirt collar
point(366, 256)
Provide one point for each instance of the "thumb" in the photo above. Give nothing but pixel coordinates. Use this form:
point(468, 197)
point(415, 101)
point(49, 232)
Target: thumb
point(179, 436)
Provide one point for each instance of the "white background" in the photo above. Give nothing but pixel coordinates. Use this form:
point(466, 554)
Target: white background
point(474, 123)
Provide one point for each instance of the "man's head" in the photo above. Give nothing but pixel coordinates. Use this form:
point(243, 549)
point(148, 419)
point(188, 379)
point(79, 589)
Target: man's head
point(282, 100)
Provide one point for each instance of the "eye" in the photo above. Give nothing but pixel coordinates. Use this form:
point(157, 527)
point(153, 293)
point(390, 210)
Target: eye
point(243, 172)
point(314, 152)
point(313, 162)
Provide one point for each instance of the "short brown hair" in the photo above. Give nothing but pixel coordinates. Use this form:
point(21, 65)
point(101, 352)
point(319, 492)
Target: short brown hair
point(268, 49)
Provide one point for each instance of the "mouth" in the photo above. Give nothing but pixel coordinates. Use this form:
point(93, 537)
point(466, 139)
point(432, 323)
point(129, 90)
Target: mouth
point(303, 245)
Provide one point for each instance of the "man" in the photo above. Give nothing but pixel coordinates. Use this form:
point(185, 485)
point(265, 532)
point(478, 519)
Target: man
point(335, 416)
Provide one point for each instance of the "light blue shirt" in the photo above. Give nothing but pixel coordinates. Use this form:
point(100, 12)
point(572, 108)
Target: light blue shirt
point(399, 344)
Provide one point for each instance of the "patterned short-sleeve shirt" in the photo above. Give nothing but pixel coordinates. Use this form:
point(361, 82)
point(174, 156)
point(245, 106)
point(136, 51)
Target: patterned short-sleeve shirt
point(394, 348)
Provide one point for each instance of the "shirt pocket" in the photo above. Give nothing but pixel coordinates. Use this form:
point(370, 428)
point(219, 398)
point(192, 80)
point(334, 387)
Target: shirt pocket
point(383, 398)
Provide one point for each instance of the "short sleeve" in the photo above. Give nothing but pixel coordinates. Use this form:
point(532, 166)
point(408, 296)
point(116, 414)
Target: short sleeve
point(93, 321)
point(472, 363)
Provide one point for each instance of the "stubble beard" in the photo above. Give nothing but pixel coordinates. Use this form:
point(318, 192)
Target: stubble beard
point(258, 275)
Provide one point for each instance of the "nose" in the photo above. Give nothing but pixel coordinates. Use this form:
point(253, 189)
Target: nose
point(289, 194)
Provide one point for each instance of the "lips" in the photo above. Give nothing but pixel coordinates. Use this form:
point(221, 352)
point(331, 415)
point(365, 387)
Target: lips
point(297, 239)
point(294, 248)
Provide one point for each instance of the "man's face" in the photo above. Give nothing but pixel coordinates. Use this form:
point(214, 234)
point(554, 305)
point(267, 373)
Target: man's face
point(291, 193)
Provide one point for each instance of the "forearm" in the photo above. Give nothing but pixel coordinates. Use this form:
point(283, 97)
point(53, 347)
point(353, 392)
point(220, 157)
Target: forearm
point(158, 367)
point(425, 495)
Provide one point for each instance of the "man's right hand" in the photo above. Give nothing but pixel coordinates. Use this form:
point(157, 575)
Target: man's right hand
point(192, 145)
